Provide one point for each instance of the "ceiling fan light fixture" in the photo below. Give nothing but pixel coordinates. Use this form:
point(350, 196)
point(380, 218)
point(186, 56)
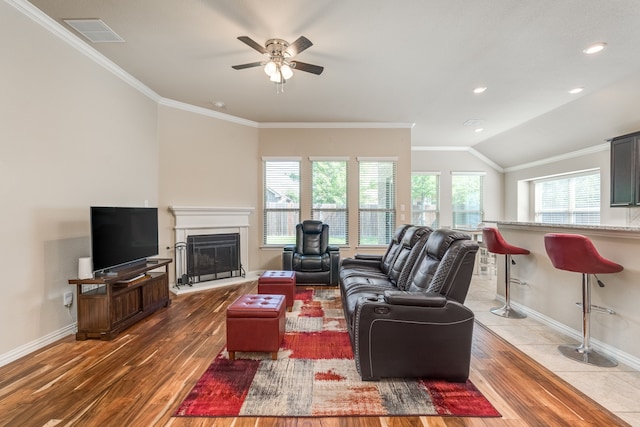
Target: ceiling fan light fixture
point(276, 77)
point(270, 68)
point(286, 71)
point(279, 52)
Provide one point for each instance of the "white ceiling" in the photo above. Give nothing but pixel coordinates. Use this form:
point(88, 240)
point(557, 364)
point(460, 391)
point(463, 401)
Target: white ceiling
point(409, 61)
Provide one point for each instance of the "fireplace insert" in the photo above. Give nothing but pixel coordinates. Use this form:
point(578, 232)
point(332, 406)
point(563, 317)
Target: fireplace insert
point(213, 256)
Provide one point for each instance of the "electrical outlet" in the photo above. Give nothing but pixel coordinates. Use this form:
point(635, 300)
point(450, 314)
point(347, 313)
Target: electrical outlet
point(67, 299)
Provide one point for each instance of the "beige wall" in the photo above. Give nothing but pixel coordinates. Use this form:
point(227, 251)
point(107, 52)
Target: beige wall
point(447, 162)
point(351, 143)
point(73, 135)
point(205, 161)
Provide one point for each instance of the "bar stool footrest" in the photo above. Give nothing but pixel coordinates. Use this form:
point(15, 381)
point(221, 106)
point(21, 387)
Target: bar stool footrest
point(598, 308)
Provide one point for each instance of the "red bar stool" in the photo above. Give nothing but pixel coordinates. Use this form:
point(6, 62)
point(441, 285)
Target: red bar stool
point(574, 252)
point(496, 244)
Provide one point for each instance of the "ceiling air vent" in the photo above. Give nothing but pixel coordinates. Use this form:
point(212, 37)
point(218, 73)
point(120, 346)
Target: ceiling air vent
point(94, 30)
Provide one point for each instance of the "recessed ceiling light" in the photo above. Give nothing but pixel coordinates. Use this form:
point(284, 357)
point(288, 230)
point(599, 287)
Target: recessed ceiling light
point(479, 89)
point(576, 90)
point(595, 48)
point(219, 104)
point(478, 130)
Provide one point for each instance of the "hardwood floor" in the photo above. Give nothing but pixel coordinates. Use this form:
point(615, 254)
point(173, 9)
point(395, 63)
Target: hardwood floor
point(140, 378)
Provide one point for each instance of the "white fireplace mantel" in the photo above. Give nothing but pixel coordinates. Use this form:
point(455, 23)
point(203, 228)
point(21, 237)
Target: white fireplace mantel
point(199, 220)
point(210, 217)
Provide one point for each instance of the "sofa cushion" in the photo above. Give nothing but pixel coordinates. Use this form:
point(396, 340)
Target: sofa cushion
point(311, 262)
point(312, 239)
point(412, 243)
point(378, 265)
point(394, 247)
point(440, 252)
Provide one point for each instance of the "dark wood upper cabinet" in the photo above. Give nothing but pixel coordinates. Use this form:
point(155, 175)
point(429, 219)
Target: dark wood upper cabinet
point(625, 170)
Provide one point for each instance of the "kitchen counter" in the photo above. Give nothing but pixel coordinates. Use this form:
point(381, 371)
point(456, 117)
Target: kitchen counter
point(549, 294)
point(613, 230)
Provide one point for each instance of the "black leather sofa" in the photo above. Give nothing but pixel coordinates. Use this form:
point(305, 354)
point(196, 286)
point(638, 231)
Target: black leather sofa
point(404, 310)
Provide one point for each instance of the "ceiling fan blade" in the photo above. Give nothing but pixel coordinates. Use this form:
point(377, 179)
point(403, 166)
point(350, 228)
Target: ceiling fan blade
point(249, 65)
point(298, 46)
point(309, 68)
point(251, 43)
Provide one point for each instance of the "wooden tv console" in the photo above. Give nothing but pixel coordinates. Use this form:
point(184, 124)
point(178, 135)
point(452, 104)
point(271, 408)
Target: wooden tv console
point(107, 305)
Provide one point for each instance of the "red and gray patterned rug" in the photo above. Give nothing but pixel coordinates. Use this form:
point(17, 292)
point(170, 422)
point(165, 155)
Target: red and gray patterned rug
point(315, 375)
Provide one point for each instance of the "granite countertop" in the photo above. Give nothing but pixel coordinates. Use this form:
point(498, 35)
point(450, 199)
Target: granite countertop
point(584, 227)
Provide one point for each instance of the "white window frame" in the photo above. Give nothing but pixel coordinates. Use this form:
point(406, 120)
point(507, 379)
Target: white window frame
point(338, 230)
point(291, 214)
point(479, 212)
point(572, 210)
point(418, 215)
point(385, 225)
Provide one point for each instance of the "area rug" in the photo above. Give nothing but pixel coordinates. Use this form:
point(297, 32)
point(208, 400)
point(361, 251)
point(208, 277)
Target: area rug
point(315, 375)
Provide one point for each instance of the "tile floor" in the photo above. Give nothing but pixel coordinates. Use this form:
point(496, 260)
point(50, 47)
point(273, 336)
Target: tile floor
point(617, 389)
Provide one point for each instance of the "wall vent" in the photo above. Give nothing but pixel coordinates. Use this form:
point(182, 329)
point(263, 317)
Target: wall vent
point(95, 30)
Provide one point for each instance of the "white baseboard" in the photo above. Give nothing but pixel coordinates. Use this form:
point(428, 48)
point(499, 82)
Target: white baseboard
point(41, 342)
point(619, 355)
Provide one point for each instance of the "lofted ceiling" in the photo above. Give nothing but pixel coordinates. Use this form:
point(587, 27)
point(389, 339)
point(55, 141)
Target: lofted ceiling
point(410, 62)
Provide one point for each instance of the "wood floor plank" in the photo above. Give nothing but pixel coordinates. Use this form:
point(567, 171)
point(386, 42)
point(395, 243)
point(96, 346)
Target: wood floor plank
point(142, 376)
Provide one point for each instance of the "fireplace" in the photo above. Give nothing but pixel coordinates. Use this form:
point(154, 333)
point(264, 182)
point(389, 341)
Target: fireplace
point(205, 221)
point(213, 256)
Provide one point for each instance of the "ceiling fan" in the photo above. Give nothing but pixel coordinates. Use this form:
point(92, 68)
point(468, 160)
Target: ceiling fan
point(280, 65)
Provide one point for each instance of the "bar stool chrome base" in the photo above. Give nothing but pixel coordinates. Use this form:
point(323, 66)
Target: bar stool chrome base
point(507, 311)
point(590, 357)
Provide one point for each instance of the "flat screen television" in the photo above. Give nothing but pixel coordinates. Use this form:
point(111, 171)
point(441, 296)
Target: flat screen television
point(122, 236)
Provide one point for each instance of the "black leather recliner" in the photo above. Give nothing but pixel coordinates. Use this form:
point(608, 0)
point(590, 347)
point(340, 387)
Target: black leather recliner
point(420, 328)
point(312, 258)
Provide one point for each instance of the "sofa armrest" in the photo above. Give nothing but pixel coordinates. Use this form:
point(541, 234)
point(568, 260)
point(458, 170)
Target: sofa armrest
point(334, 275)
point(287, 257)
point(385, 345)
point(357, 262)
point(371, 257)
point(418, 299)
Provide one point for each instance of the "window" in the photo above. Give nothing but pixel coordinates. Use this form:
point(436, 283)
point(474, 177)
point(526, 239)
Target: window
point(568, 199)
point(329, 197)
point(425, 199)
point(466, 196)
point(281, 201)
point(377, 194)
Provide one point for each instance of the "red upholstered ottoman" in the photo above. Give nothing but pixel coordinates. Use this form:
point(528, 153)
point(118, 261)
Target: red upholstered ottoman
point(279, 282)
point(255, 323)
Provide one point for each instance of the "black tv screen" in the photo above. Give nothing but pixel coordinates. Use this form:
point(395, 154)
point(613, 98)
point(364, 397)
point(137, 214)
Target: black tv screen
point(122, 235)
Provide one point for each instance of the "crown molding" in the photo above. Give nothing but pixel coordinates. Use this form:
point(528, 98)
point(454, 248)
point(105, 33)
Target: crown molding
point(458, 148)
point(206, 112)
point(560, 157)
point(335, 125)
point(486, 160)
point(438, 148)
